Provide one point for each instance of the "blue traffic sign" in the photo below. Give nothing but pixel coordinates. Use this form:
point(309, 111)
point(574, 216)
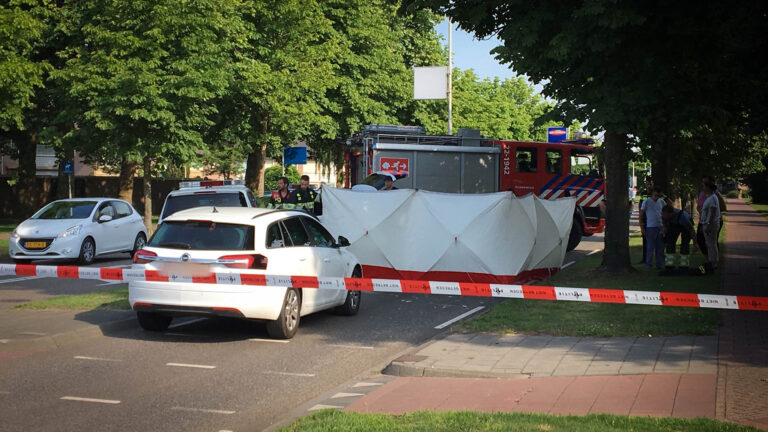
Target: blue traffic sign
point(68, 168)
point(557, 134)
point(294, 155)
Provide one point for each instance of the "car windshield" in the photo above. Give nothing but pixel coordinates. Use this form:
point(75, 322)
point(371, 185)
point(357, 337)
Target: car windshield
point(375, 180)
point(176, 203)
point(66, 210)
point(203, 235)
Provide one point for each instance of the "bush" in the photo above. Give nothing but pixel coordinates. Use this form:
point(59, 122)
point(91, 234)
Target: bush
point(272, 173)
point(732, 194)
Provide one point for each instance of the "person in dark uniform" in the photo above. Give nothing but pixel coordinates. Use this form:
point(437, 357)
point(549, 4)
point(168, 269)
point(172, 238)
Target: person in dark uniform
point(281, 198)
point(304, 197)
point(677, 223)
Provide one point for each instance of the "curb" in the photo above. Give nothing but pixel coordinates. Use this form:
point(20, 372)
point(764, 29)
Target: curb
point(67, 338)
point(403, 369)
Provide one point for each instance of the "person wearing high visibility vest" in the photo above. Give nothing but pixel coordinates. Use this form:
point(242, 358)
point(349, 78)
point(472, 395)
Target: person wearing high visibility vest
point(677, 223)
point(281, 198)
point(304, 197)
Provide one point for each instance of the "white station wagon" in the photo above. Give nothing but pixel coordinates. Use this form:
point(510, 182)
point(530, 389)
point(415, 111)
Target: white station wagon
point(202, 240)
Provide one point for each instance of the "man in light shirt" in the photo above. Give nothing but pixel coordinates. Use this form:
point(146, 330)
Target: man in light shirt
point(710, 225)
point(651, 213)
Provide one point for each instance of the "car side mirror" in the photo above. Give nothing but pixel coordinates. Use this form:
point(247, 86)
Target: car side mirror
point(105, 218)
point(343, 242)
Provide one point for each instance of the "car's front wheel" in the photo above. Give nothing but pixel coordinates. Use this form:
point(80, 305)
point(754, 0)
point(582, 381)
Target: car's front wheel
point(352, 302)
point(87, 252)
point(153, 321)
point(140, 242)
point(287, 323)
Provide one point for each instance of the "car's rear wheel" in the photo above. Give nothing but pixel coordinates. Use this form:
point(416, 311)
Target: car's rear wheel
point(87, 252)
point(574, 237)
point(287, 323)
point(153, 321)
point(352, 303)
point(140, 242)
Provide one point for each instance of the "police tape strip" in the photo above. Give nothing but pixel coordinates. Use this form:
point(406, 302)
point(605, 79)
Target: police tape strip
point(595, 295)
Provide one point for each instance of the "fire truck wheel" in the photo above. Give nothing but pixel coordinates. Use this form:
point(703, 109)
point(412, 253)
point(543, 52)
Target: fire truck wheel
point(575, 236)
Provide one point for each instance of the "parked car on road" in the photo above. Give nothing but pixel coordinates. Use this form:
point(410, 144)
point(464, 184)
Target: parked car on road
point(196, 242)
point(78, 228)
point(219, 193)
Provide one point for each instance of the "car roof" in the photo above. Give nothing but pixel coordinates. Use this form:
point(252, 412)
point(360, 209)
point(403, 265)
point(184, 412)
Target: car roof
point(209, 189)
point(230, 214)
point(98, 199)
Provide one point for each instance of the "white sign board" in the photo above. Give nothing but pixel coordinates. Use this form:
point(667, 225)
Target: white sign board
point(430, 82)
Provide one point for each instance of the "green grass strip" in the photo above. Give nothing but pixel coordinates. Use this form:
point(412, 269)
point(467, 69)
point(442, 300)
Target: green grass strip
point(332, 420)
point(109, 299)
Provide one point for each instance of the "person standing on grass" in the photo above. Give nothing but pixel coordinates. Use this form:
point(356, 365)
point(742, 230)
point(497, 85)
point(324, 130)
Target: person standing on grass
point(709, 223)
point(650, 211)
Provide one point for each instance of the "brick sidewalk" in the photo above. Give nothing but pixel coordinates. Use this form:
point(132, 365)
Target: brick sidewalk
point(742, 387)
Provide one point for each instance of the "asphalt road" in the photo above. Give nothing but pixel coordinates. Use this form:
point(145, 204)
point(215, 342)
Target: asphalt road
point(211, 374)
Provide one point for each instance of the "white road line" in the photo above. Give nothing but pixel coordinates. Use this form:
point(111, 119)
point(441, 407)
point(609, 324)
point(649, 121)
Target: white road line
point(97, 359)
point(80, 399)
point(306, 375)
point(33, 333)
point(594, 252)
point(567, 265)
point(465, 314)
point(367, 384)
point(186, 322)
point(19, 279)
point(353, 346)
point(210, 411)
point(4, 341)
point(344, 395)
point(282, 341)
point(321, 406)
point(196, 366)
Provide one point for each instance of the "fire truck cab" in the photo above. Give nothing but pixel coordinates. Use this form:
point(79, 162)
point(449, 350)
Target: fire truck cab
point(469, 163)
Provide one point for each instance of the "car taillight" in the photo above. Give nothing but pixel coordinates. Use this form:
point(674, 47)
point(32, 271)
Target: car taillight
point(143, 256)
point(245, 261)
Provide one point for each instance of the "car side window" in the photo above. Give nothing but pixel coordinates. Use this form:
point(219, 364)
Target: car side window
point(296, 232)
point(526, 159)
point(252, 199)
point(275, 238)
point(243, 200)
point(105, 209)
point(554, 161)
point(320, 236)
point(122, 209)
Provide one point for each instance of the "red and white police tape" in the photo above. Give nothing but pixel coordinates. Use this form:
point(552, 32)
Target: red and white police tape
point(595, 295)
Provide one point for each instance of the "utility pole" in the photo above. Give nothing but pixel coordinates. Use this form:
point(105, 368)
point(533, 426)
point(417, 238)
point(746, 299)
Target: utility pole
point(450, 77)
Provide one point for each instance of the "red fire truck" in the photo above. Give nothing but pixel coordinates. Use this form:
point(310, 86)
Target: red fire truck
point(469, 163)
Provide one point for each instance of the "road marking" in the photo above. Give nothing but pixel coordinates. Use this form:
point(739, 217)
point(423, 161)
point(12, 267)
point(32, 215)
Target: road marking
point(594, 252)
point(197, 366)
point(4, 340)
point(282, 341)
point(567, 265)
point(344, 395)
point(19, 279)
point(306, 375)
point(204, 410)
point(464, 315)
point(186, 322)
point(33, 333)
point(367, 384)
point(321, 406)
point(353, 346)
point(96, 359)
point(80, 399)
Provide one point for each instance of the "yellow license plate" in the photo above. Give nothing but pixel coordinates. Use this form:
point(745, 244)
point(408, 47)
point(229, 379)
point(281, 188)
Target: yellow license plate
point(35, 245)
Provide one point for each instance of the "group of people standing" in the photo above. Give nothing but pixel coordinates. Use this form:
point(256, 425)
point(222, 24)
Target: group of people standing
point(661, 225)
point(302, 198)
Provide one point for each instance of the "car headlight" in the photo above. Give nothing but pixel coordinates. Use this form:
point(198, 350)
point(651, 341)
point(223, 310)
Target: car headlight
point(73, 231)
point(15, 234)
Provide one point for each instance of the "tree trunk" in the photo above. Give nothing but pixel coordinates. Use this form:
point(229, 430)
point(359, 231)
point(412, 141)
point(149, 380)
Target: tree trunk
point(616, 254)
point(127, 172)
point(254, 171)
point(27, 190)
point(148, 193)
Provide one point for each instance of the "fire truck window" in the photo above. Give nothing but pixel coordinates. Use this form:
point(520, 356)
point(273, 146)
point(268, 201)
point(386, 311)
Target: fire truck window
point(554, 161)
point(581, 164)
point(526, 159)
